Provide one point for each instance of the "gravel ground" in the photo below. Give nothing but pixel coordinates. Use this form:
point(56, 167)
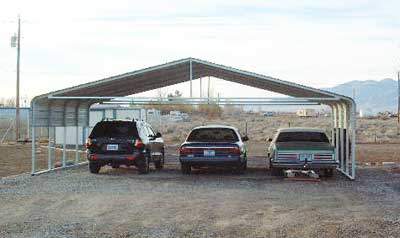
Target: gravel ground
point(208, 203)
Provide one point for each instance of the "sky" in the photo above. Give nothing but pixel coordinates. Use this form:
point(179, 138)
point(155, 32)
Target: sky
point(314, 43)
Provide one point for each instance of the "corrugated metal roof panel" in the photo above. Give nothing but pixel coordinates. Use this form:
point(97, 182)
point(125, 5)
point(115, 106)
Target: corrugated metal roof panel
point(157, 77)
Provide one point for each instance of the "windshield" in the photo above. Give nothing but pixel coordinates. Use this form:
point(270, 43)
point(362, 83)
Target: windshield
point(302, 137)
point(213, 135)
point(115, 129)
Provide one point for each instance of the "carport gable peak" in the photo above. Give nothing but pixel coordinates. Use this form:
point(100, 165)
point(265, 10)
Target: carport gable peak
point(177, 72)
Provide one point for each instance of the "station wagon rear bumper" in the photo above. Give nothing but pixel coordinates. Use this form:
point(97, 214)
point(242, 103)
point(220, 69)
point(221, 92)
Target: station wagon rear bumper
point(310, 165)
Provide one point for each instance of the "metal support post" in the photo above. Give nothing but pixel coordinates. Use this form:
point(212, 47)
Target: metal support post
point(353, 138)
point(33, 139)
point(17, 113)
point(27, 127)
point(77, 133)
point(77, 144)
point(201, 87)
point(64, 153)
point(49, 150)
point(342, 162)
point(337, 131)
point(334, 118)
point(208, 90)
point(191, 78)
point(346, 147)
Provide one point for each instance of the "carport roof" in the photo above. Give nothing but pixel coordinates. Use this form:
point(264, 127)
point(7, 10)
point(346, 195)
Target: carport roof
point(179, 71)
point(70, 106)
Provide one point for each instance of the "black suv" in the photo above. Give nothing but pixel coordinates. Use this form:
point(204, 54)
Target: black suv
point(128, 143)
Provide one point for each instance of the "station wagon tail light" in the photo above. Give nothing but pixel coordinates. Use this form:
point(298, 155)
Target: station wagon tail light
point(139, 144)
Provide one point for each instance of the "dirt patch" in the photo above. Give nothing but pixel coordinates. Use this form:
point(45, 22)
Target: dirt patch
point(208, 203)
point(16, 158)
point(378, 153)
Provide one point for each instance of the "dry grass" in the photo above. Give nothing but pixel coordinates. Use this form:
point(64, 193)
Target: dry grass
point(260, 128)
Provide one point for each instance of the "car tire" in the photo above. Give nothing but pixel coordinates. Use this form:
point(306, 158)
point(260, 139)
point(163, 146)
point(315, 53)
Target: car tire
point(94, 167)
point(186, 168)
point(144, 166)
point(328, 173)
point(159, 164)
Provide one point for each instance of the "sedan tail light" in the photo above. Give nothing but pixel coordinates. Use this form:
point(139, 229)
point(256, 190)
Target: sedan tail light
point(234, 150)
point(185, 151)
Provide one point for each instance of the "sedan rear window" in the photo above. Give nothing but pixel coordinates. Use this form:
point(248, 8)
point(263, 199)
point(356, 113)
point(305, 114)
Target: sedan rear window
point(116, 129)
point(213, 135)
point(302, 137)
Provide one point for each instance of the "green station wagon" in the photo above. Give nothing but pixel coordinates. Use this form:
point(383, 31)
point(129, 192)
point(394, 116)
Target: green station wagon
point(301, 148)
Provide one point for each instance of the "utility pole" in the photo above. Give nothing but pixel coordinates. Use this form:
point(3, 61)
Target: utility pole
point(16, 42)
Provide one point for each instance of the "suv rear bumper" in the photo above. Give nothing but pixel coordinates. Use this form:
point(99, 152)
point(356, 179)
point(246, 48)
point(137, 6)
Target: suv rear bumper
point(116, 159)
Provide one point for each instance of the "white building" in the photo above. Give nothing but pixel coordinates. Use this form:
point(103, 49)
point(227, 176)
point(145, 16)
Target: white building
point(100, 112)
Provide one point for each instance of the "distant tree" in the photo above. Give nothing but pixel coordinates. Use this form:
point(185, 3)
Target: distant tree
point(7, 102)
point(176, 94)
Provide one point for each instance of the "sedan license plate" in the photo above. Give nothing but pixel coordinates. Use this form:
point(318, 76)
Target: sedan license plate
point(112, 147)
point(304, 157)
point(209, 152)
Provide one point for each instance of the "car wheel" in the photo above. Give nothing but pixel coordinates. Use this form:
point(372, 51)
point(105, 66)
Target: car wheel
point(186, 169)
point(144, 166)
point(94, 167)
point(328, 173)
point(159, 164)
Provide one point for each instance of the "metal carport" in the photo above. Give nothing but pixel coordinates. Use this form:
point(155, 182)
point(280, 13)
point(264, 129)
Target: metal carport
point(70, 106)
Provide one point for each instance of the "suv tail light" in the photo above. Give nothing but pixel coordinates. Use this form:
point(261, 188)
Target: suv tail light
point(88, 143)
point(139, 144)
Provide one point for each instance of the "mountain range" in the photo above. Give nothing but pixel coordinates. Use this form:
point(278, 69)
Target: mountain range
point(371, 96)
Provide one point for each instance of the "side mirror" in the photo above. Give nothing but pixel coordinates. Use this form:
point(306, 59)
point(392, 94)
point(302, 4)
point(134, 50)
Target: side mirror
point(245, 138)
point(269, 139)
point(158, 135)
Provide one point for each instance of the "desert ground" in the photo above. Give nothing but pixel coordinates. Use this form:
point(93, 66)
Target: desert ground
point(207, 203)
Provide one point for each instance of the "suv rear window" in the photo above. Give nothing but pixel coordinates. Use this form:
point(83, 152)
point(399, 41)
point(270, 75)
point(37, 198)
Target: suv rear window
point(116, 129)
point(302, 137)
point(213, 135)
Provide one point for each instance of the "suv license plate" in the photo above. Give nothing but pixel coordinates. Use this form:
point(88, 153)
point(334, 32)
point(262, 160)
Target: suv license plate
point(209, 152)
point(112, 147)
